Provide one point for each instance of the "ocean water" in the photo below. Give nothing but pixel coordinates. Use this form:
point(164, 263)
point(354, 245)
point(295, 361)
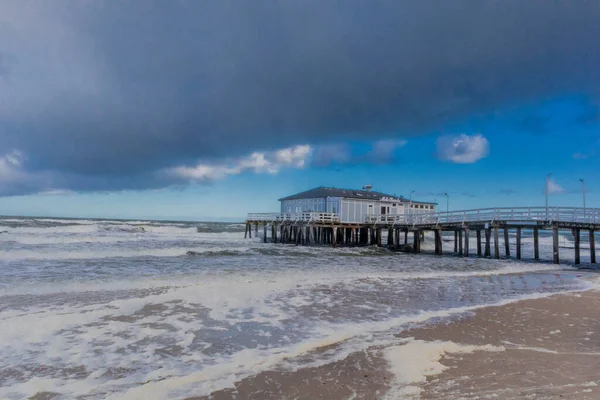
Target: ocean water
point(95, 309)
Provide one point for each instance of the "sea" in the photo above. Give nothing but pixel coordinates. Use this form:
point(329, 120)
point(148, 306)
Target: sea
point(110, 309)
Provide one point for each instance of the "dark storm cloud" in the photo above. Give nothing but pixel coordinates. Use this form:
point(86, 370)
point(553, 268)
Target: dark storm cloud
point(116, 90)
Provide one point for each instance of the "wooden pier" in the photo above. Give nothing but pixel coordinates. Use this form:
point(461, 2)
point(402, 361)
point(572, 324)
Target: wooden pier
point(317, 228)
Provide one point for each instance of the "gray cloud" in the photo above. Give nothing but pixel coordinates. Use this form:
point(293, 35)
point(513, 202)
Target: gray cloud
point(101, 95)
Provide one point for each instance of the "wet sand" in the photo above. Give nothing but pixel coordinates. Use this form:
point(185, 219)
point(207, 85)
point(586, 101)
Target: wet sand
point(533, 349)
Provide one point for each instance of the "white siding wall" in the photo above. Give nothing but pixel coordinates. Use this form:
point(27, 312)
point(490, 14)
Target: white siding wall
point(356, 210)
point(351, 210)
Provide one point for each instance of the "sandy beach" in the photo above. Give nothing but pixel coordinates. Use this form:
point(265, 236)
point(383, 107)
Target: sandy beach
point(547, 348)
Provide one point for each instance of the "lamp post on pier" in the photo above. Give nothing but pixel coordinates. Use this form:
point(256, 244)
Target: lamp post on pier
point(547, 181)
point(410, 203)
point(447, 202)
point(583, 192)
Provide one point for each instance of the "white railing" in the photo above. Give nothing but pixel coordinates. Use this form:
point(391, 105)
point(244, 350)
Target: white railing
point(319, 217)
point(514, 214)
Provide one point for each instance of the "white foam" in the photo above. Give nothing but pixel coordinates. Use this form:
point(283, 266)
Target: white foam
point(413, 362)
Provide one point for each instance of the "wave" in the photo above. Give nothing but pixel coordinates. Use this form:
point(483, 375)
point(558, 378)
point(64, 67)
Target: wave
point(50, 254)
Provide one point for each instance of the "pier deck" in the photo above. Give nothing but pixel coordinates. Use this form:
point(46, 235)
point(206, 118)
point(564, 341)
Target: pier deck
point(319, 228)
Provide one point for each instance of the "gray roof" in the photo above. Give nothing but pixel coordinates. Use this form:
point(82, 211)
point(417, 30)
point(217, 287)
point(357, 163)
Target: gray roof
point(321, 192)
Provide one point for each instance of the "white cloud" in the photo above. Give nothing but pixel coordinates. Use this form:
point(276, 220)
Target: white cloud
point(10, 166)
point(383, 150)
point(293, 156)
point(258, 162)
point(333, 153)
point(555, 188)
point(462, 149)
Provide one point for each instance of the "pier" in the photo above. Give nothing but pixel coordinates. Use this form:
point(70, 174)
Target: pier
point(320, 228)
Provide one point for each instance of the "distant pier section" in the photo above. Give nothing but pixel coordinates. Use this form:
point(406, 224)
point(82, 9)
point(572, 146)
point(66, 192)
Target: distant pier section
point(342, 217)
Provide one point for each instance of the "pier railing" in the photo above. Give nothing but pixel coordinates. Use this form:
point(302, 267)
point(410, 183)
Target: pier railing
point(320, 217)
point(509, 214)
point(483, 215)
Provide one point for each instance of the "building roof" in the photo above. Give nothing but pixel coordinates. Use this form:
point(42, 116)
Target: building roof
point(321, 192)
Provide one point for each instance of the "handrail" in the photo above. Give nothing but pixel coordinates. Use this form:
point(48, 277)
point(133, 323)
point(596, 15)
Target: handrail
point(294, 217)
point(521, 214)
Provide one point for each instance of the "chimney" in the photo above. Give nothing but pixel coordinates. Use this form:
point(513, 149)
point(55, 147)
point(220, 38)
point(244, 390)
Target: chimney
point(367, 188)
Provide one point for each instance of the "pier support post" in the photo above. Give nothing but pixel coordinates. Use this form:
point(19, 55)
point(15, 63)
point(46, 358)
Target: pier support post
point(577, 234)
point(592, 247)
point(378, 237)
point(406, 236)
point(506, 243)
point(264, 233)
point(397, 237)
point(334, 237)
point(246, 232)
point(536, 243)
point(417, 241)
point(466, 242)
point(438, 242)
point(390, 239)
point(249, 231)
point(478, 242)
point(496, 244)
point(256, 230)
point(460, 242)
point(488, 242)
point(456, 241)
point(555, 258)
point(518, 243)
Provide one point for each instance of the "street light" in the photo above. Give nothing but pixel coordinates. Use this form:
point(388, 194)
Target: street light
point(583, 192)
point(447, 202)
point(547, 180)
point(410, 203)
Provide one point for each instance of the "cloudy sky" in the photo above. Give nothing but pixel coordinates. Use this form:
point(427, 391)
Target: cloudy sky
point(210, 109)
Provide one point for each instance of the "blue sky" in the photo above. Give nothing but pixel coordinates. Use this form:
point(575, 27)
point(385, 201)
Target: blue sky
point(178, 114)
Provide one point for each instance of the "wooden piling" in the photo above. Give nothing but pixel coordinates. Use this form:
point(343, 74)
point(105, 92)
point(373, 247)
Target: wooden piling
point(456, 241)
point(406, 236)
point(246, 232)
point(536, 243)
point(496, 244)
point(264, 233)
point(416, 241)
point(577, 234)
point(390, 238)
point(466, 242)
point(488, 243)
point(460, 242)
point(592, 246)
point(478, 233)
point(506, 243)
point(334, 237)
point(518, 243)
point(438, 242)
point(555, 257)
point(378, 233)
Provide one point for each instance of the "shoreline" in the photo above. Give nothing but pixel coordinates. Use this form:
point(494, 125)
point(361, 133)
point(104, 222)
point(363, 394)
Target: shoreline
point(545, 348)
